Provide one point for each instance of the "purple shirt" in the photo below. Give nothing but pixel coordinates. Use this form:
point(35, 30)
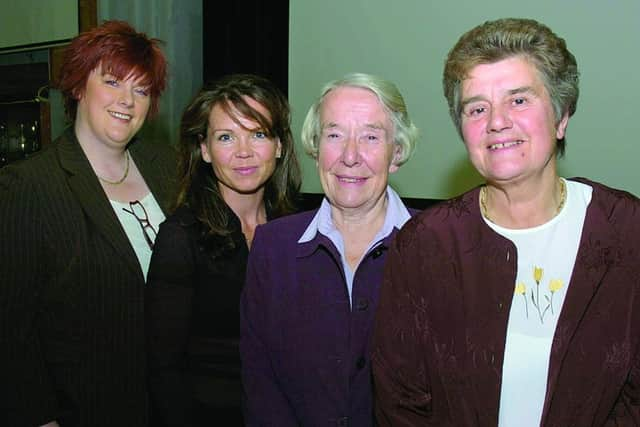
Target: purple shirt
point(304, 351)
point(396, 216)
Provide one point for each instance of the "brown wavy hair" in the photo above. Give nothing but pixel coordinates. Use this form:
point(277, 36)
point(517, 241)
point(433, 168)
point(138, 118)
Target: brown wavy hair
point(198, 185)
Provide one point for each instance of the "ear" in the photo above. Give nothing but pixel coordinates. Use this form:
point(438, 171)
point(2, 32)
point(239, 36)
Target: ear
point(397, 154)
point(204, 150)
point(278, 148)
point(562, 126)
point(316, 156)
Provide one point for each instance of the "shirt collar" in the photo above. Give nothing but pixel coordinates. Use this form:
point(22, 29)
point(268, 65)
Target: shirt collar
point(397, 215)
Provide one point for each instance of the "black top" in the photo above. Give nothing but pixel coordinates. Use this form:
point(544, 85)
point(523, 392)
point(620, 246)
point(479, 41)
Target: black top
point(72, 291)
point(192, 306)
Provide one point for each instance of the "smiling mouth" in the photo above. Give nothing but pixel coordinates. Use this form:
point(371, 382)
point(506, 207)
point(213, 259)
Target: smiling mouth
point(246, 170)
point(120, 116)
point(501, 145)
point(350, 180)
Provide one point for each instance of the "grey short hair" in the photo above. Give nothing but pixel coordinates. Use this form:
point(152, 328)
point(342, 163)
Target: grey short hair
point(405, 133)
point(496, 40)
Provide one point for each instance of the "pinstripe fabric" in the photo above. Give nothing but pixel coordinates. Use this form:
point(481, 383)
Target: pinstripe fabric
point(71, 292)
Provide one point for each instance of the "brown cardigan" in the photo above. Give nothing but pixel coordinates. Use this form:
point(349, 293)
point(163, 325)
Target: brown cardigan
point(71, 291)
point(444, 305)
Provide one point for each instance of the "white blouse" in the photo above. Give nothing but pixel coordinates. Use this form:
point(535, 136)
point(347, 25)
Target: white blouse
point(546, 256)
point(140, 220)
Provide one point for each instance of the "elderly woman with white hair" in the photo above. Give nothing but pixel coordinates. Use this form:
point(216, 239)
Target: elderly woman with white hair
point(312, 285)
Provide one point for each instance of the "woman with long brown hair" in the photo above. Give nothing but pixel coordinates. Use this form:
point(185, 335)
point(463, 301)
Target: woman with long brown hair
point(238, 169)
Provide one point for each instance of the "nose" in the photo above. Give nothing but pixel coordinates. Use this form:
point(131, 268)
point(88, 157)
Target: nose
point(351, 152)
point(244, 148)
point(126, 97)
point(499, 119)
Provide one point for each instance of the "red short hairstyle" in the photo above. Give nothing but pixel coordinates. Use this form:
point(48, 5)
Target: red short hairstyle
point(121, 51)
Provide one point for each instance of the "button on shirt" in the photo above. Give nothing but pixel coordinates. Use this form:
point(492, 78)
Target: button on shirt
point(397, 215)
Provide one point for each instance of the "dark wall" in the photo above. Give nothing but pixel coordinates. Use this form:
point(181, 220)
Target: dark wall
point(246, 36)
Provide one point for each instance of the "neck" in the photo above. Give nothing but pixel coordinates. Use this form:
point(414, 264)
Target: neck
point(100, 155)
point(359, 222)
point(249, 208)
point(358, 228)
point(523, 205)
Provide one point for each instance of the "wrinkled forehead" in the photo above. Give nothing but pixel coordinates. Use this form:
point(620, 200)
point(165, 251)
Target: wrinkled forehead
point(353, 105)
point(511, 75)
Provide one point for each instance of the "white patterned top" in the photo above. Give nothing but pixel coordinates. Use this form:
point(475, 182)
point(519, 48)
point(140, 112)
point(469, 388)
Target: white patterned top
point(546, 256)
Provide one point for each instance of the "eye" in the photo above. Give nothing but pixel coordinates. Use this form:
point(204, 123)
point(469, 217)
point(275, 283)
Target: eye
point(475, 110)
point(331, 135)
point(111, 82)
point(371, 138)
point(224, 138)
point(142, 91)
point(260, 135)
point(519, 101)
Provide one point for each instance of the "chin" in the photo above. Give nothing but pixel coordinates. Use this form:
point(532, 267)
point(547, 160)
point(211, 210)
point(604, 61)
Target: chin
point(347, 203)
point(121, 139)
point(247, 190)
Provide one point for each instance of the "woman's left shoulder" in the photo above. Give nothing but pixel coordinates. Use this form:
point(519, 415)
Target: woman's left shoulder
point(614, 210)
point(282, 233)
point(288, 224)
point(612, 199)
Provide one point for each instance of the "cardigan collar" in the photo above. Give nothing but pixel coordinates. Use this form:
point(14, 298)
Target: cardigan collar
point(321, 232)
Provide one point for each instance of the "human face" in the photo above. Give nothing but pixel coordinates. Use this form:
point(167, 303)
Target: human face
point(243, 157)
point(111, 110)
point(508, 122)
point(356, 151)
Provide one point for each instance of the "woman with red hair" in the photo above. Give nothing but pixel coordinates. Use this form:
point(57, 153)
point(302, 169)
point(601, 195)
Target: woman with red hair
point(78, 223)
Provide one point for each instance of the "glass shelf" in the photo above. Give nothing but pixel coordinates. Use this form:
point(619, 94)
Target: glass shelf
point(24, 110)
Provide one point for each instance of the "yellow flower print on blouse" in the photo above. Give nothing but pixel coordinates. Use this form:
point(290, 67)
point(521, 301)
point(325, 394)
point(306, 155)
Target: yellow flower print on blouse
point(555, 285)
point(521, 289)
point(544, 305)
point(537, 273)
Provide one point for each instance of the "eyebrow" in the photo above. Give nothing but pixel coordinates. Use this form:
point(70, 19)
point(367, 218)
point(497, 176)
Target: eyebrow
point(329, 125)
point(374, 126)
point(258, 128)
point(522, 89)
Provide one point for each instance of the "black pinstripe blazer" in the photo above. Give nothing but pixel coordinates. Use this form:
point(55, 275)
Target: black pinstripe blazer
point(72, 291)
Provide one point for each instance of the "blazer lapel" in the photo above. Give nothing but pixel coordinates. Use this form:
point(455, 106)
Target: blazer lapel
point(592, 263)
point(88, 192)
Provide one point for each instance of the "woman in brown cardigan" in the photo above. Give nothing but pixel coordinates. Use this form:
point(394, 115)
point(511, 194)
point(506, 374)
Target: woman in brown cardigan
point(517, 303)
